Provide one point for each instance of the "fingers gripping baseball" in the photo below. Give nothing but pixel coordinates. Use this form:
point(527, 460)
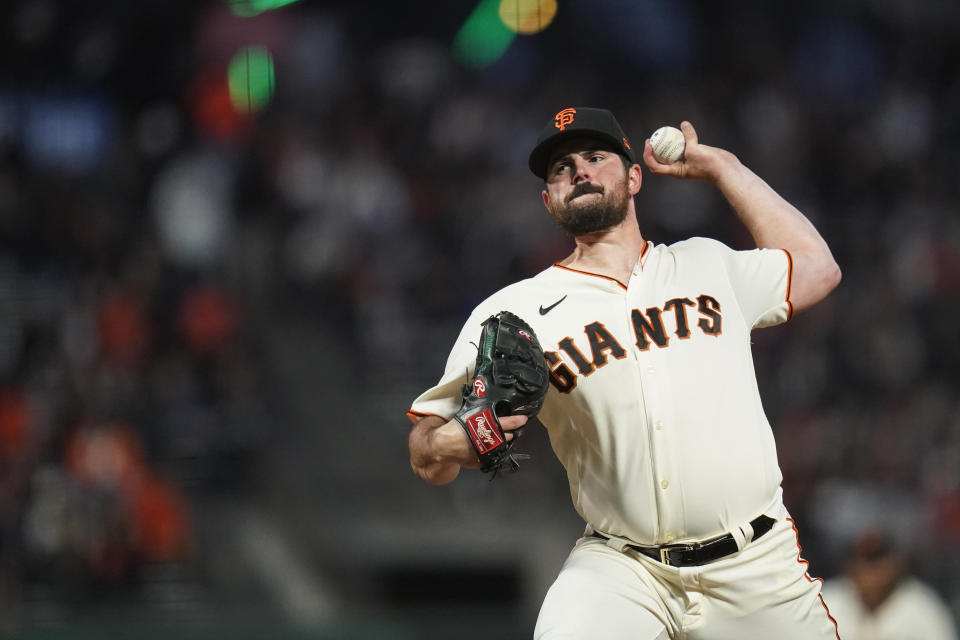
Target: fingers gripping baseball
point(688, 165)
point(689, 133)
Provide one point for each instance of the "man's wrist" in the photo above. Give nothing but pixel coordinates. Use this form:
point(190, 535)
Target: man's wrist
point(451, 439)
point(724, 169)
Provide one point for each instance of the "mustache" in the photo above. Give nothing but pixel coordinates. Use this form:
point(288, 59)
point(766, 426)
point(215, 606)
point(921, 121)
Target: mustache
point(584, 188)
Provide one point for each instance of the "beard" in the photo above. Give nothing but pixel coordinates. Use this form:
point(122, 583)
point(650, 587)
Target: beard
point(578, 217)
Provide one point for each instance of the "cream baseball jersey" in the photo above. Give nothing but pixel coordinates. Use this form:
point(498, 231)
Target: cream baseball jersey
point(653, 409)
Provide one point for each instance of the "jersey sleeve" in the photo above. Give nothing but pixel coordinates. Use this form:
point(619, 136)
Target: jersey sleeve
point(760, 279)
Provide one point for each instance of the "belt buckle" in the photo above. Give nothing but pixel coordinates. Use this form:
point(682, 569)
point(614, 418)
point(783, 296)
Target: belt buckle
point(667, 549)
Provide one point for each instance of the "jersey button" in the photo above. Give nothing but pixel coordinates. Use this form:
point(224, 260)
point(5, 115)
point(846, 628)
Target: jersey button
point(659, 425)
point(650, 370)
point(664, 484)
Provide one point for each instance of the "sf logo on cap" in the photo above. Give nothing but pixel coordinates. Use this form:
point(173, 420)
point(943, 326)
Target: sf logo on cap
point(564, 118)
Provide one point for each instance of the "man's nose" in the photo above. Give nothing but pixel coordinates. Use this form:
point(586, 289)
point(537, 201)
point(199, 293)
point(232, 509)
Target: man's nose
point(581, 171)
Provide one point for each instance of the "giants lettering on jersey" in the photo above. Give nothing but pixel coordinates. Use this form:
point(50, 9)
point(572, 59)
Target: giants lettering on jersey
point(650, 327)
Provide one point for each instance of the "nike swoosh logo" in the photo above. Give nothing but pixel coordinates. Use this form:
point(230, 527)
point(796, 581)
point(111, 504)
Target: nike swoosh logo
point(545, 310)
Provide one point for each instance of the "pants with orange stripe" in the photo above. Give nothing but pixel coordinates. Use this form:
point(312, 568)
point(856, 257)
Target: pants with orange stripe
point(761, 592)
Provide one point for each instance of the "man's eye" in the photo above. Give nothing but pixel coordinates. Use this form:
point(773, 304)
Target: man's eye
point(596, 157)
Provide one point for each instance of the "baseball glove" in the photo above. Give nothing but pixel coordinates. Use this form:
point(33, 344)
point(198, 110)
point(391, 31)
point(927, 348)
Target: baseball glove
point(510, 378)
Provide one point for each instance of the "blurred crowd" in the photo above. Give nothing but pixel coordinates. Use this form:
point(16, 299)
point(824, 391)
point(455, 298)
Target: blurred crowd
point(129, 372)
point(151, 233)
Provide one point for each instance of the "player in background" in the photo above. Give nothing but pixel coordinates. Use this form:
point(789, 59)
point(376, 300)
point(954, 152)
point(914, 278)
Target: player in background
point(654, 409)
point(877, 599)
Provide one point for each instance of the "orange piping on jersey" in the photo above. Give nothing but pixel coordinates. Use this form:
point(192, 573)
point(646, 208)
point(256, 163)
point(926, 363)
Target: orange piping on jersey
point(644, 252)
point(836, 630)
point(806, 575)
point(416, 416)
point(789, 283)
point(587, 273)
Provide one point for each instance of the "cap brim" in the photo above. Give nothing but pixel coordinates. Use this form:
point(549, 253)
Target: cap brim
point(540, 155)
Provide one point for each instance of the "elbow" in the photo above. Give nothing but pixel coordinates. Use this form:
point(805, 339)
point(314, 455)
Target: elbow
point(832, 276)
point(828, 280)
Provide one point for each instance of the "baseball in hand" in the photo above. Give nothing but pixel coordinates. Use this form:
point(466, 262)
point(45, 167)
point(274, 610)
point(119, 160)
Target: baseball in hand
point(668, 144)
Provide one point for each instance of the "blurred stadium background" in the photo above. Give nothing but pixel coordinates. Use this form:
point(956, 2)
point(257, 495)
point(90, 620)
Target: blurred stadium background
point(237, 238)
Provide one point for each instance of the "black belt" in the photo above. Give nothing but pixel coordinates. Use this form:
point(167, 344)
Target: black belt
point(698, 553)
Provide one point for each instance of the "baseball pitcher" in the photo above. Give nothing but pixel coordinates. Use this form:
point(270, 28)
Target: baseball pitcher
point(651, 400)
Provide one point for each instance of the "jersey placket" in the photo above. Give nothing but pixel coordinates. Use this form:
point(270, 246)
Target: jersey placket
point(662, 479)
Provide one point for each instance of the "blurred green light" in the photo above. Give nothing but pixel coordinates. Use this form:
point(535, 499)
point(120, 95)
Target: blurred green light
point(483, 38)
point(249, 8)
point(250, 79)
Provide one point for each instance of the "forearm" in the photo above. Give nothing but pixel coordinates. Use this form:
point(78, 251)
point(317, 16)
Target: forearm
point(436, 451)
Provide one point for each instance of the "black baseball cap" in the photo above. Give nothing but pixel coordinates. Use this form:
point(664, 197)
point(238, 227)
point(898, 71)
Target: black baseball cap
point(578, 122)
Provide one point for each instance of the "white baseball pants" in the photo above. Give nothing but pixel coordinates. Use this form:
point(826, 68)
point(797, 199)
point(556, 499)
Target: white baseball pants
point(760, 592)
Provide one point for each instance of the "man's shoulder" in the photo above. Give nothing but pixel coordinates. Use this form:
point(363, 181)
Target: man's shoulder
point(690, 251)
point(696, 244)
point(522, 297)
point(536, 282)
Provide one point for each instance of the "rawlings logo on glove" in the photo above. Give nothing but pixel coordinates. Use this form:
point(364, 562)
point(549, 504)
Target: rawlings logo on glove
point(510, 378)
point(482, 432)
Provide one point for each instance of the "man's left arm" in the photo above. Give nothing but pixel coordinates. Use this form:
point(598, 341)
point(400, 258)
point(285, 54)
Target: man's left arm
point(772, 221)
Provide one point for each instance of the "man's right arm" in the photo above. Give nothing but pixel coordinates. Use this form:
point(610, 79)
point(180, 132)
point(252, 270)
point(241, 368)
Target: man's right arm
point(773, 222)
point(439, 448)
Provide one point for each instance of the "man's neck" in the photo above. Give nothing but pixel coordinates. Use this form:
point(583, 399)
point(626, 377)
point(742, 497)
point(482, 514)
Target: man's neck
point(612, 252)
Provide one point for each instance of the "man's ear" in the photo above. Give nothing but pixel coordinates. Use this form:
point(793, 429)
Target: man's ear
point(546, 198)
point(634, 179)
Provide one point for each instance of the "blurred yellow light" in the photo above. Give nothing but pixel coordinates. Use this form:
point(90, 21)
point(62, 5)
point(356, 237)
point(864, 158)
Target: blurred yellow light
point(527, 16)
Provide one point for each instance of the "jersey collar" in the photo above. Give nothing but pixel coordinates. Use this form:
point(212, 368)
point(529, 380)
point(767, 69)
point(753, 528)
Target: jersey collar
point(641, 261)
